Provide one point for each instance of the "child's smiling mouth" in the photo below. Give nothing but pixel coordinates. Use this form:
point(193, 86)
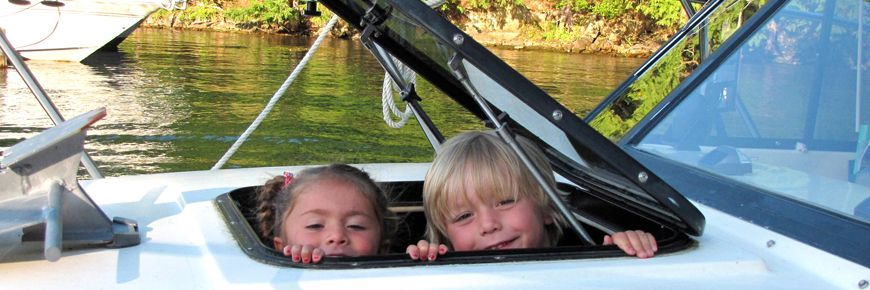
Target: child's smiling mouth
point(501, 245)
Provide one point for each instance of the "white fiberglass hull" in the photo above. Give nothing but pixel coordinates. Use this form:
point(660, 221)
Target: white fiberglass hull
point(186, 244)
point(72, 31)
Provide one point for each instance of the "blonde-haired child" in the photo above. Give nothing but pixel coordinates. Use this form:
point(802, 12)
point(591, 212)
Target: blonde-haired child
point(479, 195)
point(334, 210)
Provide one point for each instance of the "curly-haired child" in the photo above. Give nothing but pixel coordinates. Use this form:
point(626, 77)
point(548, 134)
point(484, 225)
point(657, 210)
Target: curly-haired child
point(335, 210)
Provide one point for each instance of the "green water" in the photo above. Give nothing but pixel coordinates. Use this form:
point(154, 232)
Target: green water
point(177, 100)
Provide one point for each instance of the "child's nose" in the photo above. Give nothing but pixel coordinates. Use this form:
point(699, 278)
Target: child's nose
point(336, 237)
point(489, 222)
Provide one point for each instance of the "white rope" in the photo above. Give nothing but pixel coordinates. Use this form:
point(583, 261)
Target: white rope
point(277, 95)
point(410, 77)
point(387, 96)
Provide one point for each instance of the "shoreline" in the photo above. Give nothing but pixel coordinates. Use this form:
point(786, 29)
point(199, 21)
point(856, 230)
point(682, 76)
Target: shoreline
point(489, 39)
point(594, 36)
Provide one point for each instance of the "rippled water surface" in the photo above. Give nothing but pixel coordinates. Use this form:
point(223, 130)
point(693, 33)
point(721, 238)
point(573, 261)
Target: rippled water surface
point(177, 100)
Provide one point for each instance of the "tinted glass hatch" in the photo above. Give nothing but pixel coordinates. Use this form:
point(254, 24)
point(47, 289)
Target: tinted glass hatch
point(423, 40)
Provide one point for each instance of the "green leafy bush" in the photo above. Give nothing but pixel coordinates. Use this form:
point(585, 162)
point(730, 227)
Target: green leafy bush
point(202, 13)
point(465, 5)
point(266, 11)
point(665, 12)
point(609, 9)
point(552, 32)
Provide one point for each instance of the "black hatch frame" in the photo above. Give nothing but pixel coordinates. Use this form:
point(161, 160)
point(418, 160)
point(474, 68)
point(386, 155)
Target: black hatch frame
point(620, 177)
point(238, 207)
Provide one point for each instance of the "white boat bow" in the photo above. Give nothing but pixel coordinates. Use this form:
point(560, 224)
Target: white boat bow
point(71, 30)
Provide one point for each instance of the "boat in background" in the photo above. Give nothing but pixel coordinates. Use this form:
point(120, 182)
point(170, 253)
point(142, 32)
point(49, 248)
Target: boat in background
point(71, 30)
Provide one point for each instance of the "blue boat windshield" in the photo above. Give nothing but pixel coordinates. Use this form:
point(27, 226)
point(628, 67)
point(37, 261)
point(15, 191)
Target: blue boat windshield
point(632, 101)
point(788, 111)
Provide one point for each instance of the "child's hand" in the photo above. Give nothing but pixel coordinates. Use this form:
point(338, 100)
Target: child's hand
point(305, 254)
point(425, 251)
point(634, 243)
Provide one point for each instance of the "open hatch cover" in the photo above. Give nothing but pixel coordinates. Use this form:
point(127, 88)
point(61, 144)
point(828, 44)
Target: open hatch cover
point(423, 40)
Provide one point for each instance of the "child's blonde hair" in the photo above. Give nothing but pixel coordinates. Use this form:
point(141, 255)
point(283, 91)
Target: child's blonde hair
point(489, 165)
point(276, 198)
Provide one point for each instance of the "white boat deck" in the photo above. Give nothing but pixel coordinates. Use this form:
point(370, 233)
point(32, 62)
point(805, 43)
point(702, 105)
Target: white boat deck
point(187, 245)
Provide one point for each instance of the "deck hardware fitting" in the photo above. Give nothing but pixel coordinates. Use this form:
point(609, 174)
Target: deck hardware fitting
point(862, 284)
point(408, 91)
point(642, 177)
point(557, 115)
point(458, 39)
point(41, 96)
point(771, 243)
point(311, 9)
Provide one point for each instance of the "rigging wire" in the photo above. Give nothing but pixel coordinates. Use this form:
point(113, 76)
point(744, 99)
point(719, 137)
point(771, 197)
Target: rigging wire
point(277, 95)
point(22, 10)
point(56, 23)
point(387, 99)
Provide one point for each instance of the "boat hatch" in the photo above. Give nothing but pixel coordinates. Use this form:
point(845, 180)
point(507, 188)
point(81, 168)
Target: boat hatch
point(773, 128)
point(463, 69)
point(239, 211)
point(609, 191)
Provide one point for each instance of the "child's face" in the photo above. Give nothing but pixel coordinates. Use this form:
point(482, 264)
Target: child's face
point(334, 217)
point(486, 222)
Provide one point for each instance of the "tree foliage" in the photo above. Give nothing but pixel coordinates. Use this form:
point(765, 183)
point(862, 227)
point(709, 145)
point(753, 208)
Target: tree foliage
point(645, 93)
point(202, 13)
point(466, 5)
point(664, 12)
point(278, 12)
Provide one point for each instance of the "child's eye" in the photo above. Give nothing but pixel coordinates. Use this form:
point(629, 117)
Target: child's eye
point(462, 217)
point(357, 227)
point(314, 227)
point(506, 202)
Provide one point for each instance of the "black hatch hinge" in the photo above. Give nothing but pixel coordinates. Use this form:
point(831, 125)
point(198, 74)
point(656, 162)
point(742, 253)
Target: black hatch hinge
point(410, 94)
point(370, 22)
point(502, 119)
point(373, 27)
